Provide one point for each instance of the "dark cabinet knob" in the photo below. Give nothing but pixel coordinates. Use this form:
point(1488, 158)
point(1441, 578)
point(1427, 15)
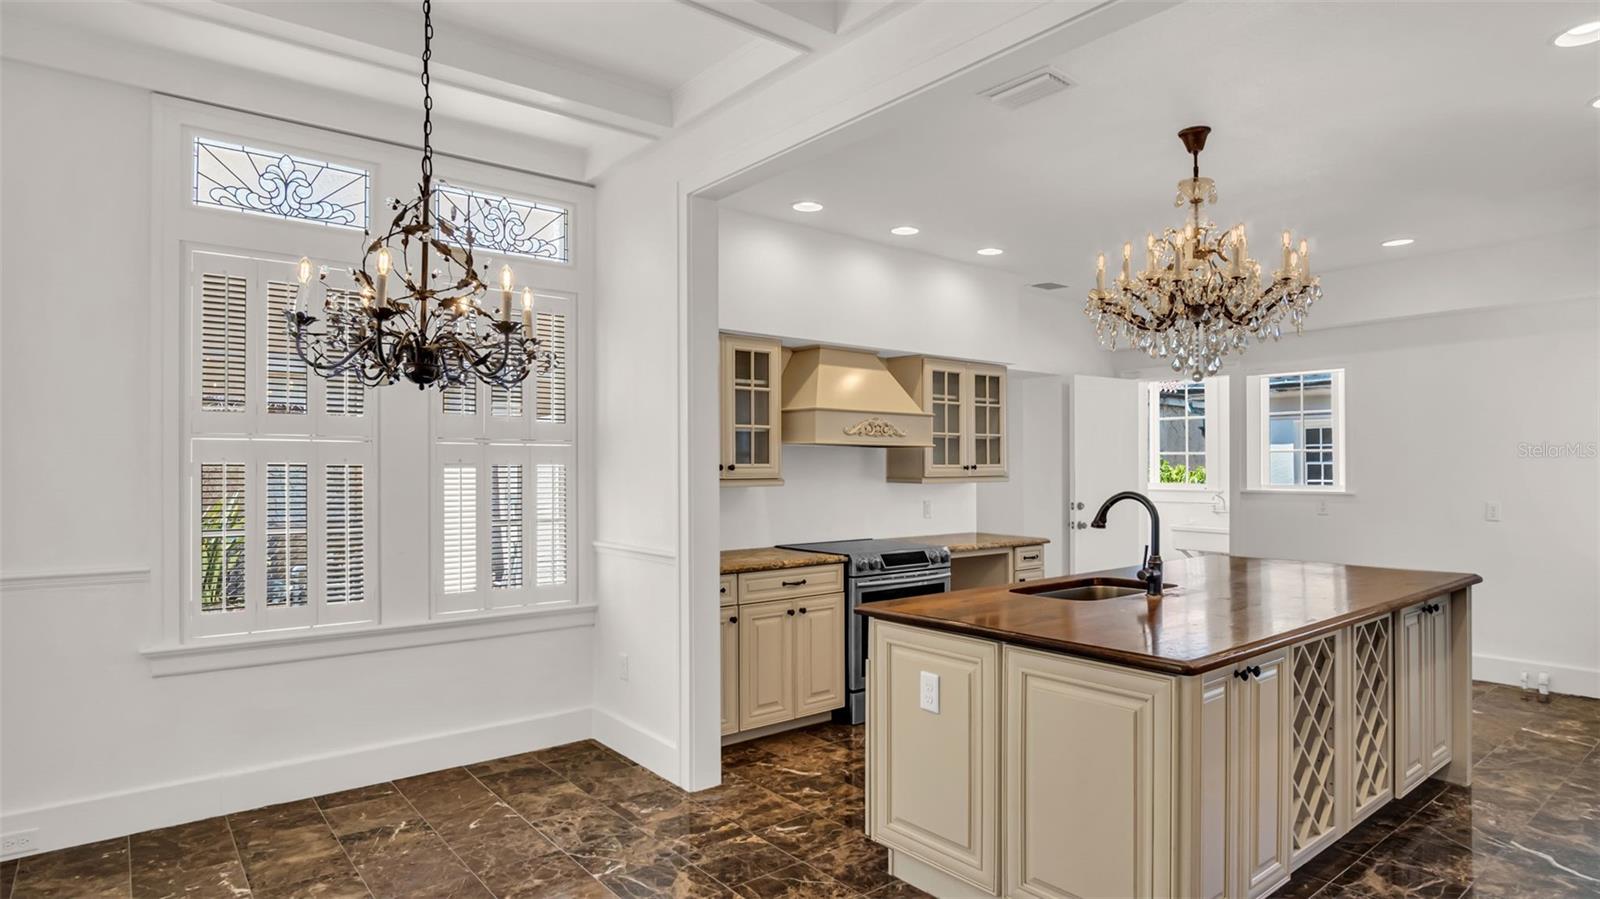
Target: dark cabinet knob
point(720, 466)
point(802, 610)
point(733, 619)
point(1242, 674)
point(791, 612)
point(730, 467)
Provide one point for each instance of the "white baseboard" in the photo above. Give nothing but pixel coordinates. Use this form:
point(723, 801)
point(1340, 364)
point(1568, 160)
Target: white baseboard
point(1563, 678)
point(116, 814)
point(643, 746)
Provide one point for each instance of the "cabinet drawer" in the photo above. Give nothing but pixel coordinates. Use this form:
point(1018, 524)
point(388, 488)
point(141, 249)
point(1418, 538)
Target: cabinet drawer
point(1028, 557)
point(1029, 574)
point(813, 581)
point(730, 587)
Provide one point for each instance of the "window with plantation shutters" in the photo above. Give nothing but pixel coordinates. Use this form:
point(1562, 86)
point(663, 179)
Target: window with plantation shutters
point(458, 522)
point(551, 387)
point(223, 341)
point(281, 474)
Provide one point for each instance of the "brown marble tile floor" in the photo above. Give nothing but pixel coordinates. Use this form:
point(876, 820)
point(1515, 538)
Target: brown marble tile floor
point(580, 821)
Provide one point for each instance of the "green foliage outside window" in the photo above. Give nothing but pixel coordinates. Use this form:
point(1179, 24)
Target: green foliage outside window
point(1182, 474)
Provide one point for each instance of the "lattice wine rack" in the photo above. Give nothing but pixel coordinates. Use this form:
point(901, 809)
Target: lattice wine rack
point(1370, 717)
point(1315, 789)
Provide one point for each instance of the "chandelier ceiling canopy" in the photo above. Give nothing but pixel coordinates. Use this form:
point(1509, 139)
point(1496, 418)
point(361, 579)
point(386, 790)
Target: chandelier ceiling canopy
point(417, 315)
point(1199, 296)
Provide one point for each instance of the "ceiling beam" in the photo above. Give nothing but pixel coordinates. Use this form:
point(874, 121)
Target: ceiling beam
point(803, 27)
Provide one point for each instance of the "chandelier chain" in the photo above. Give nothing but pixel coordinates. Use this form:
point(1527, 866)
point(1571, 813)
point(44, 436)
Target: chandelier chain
point(427, 92)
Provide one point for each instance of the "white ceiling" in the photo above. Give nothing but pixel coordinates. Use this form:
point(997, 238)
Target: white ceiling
point(1458, 124)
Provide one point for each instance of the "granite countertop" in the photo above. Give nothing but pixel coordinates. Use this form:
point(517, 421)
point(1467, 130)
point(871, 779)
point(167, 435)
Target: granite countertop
point(977, 541)
point(1220, 610)
point(771, 558)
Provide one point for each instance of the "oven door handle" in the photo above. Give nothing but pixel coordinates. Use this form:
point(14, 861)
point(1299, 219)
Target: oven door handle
point(933, 576)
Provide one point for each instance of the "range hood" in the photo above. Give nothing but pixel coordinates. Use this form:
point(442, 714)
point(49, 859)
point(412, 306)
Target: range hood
point(840, 397)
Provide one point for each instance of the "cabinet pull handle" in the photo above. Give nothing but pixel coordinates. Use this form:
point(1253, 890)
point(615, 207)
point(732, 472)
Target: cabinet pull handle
point(1242, 674)
point(791, 611)
point(724, 589)
point(799, 583)
point(733, 619)
point(720, 466)
point(1255, 670)
point(802, 610)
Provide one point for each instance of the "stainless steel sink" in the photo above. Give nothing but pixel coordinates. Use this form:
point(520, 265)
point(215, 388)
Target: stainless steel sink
point(1092, 591)
point(1085, 589)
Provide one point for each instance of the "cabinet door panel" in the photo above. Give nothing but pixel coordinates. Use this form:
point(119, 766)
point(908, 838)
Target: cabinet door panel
point(1410, 701)
point(937, 793)
point(1088, 779)
point(1261, 726)
point(948, 392)
point(1210, 829)
point(1437, 631)
point(730, 669)
point(751, 395)
point(987, 406)
point(819, 654)
point(766, 664)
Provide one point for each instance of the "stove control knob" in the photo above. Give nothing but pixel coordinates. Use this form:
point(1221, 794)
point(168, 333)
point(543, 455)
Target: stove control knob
point(860, 564)
point(877, 562)
point(944, 555)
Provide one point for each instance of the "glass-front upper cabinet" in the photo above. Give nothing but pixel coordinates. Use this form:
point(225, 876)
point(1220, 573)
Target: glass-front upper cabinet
point(968, 404)
point(752, 429)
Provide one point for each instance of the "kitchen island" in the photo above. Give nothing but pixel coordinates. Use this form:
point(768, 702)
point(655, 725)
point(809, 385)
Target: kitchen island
point(1203, 743)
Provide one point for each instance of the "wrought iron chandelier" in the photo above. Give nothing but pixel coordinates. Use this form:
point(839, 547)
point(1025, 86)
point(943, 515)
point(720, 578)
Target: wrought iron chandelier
point(433, 330)
point(1200, 295)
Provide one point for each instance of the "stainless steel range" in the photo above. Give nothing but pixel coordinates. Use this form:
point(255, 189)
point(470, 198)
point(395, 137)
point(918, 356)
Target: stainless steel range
point(878, 570)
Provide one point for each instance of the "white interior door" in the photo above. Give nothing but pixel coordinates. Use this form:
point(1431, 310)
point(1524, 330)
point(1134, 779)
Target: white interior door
point(1105, 460)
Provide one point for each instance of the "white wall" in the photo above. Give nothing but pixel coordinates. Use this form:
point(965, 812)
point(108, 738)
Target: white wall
point(93, 745)
point(1437, 409)
point(803, 284)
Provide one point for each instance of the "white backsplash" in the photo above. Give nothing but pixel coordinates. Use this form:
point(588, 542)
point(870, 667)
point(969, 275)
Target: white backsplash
point(839, 493)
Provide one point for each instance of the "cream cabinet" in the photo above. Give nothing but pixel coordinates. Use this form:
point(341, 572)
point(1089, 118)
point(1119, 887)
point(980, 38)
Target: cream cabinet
point(1367, 739)
point(730, 669)
point(939, 802)
point(1259, 714)
point(968, 405)
point(782, 646)
point(1423, 700)
point(1088, 778)
point(752, 424)
point(766, 663)
point(1027, 564)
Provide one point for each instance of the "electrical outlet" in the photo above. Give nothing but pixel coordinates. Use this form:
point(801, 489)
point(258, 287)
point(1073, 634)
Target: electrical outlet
point(1544, 686)
point(927, 508)
point(1491, 511)
point(18, 842)
point(1322, 507)
point(929, 693)
point(622, 665)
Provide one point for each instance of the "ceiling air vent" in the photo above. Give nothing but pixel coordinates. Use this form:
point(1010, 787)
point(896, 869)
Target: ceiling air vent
point(1048, 285)
point(1031, 87)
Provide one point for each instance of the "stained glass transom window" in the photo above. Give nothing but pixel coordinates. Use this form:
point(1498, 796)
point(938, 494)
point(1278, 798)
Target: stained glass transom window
point(271, 182)
point(504, 224)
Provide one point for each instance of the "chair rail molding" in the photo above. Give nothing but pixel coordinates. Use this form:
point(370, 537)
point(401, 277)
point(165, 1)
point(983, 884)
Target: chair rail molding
point(635, 551)
point(72, 577)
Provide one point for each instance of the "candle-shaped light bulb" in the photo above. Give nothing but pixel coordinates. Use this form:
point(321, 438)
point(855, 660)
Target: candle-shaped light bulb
point(1127, 261)
point(505, 277)
point(1150, 254)
point(505, 293)
point(527, 310)
point(1293, 267)
point(1286, 252)
point(1305, 260)
point(384, 264)
point(303, 271)
point(1100, 273)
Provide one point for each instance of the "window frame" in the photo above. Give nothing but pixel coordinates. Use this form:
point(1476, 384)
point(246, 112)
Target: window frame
point(1153, 453)
point(178, 226)
point(1259, 431)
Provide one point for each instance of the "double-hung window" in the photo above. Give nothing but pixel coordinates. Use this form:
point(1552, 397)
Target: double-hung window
point(281, 468)
point(1177, 434)
point(1298, 431)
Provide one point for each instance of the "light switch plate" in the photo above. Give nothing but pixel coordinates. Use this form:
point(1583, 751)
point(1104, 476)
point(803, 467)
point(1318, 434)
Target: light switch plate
point(929, 692)
point(1491, 511)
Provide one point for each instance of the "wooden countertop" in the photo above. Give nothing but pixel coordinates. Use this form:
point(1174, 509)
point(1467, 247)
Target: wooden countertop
point(771, 558)
point(976, 541)
point(1222, 610)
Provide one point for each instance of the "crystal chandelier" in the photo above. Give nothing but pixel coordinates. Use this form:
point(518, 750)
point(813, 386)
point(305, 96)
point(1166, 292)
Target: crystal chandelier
point(1200, 295)
point(432, 329)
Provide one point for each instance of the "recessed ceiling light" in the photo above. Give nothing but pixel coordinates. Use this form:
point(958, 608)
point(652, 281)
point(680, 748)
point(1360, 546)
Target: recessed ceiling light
point(1578, 35)
point(1595, 102)
point(990, 251)
point(807, 206)
point(1400, 242)
point(904, 230)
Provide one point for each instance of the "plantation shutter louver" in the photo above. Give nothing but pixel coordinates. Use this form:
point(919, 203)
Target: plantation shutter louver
point(223, 342)
point(460, 399)
point(551, 387)
point(287, 384)
point(459, 528)
point(287, 534)
point(344, 394)
point(505, 402)
point(344, 533)
point(550, 524)
point(505, 525)
point(222, 537)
